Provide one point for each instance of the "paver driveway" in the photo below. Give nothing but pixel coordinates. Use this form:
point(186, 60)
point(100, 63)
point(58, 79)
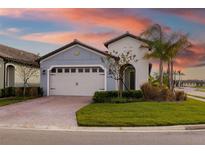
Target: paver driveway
point(52, 111)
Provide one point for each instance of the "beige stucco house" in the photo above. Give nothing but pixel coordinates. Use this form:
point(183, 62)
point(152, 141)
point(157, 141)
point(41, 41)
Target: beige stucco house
point(11, 63)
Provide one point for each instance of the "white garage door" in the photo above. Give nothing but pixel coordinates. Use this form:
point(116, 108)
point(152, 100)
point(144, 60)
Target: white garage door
point(76, 81)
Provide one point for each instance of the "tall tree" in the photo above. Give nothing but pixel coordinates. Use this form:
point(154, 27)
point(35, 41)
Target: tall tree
point(177, 43)
point(155, 40)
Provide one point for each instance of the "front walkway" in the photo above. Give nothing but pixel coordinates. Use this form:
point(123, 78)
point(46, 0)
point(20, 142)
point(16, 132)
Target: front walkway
point(192, 92)
point(52, 111)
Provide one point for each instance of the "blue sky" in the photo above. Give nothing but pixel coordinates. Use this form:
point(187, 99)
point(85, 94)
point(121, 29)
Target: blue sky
point(43, 30)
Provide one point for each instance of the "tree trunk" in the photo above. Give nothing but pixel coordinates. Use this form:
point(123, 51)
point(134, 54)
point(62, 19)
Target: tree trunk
point(161, 72)
point(120, 82)
point(24, 90)
point(119, 88)
point(171, 75)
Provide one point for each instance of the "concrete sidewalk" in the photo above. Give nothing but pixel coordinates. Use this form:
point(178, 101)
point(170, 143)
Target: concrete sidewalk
point(200, 99)
point(176, 128)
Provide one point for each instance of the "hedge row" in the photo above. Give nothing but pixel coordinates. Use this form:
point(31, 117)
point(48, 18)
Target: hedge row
point(107, 96)
point(18, 91)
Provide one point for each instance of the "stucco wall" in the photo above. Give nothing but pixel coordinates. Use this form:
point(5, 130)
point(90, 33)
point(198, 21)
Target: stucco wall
point(75, 55)
point(33, 81)
point(141, 66)
point(1, 73)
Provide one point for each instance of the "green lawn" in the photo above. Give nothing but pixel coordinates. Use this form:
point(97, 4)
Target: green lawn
point(12, 100)
point(201, 87)
point(142, 114)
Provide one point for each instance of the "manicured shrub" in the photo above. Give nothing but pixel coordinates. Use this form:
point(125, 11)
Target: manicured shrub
point(156, 93)
point(151, 92)
point(132, 94)
point(8, 92)
point(180, 96)
point(166, 95)
point(18, 91)
point(32, 91)
point(119, 100)
point(107, 96)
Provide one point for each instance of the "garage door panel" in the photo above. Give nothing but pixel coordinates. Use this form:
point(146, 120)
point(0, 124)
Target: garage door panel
point(78, 83)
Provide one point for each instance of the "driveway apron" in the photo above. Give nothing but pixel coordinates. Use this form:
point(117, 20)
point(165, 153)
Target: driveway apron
point(52, 111)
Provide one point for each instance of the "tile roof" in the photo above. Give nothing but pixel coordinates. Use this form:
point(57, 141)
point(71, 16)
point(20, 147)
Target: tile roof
point(122, 36)
point(75, 42)
point(18, 56)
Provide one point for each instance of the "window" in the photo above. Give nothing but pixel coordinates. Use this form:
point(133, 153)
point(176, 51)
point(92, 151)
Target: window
point(94, 70)
point(67, 70)
point(73, 70)
point(80, 70)
point(53, 70)
point(101, 70)
point(87, 70)
point(60, 70)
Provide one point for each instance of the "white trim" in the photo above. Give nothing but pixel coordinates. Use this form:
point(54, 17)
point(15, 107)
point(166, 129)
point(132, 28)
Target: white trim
point(48, 81)
point(7, 64)
point(93, 51)
point(52, 66)
point(7, 84)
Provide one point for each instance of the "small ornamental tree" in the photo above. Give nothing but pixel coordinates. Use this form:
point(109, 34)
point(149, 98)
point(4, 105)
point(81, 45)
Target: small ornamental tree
point(116, 63)
point(26, 73)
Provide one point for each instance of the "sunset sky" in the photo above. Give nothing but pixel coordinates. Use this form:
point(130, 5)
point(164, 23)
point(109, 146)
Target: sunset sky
point(43, 30)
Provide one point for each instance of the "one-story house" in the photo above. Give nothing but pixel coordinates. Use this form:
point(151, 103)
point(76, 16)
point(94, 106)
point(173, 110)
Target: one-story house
point(78, 69)
point(11, 62)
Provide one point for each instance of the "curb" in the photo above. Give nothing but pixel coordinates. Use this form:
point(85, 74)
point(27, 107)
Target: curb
point(197, 98)
point(177, 128)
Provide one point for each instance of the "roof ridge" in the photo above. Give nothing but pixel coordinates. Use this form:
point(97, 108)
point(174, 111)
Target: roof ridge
point(75, 41)
point(127, 33)
point(20, 50)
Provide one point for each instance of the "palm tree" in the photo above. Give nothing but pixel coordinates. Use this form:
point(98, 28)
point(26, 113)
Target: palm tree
point(177, 43)
point(155, 40)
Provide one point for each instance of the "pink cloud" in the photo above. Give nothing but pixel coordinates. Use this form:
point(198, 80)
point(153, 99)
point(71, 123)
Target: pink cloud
point(95, 39)
point(84, 17)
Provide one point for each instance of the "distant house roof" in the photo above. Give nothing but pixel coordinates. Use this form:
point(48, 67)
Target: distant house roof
point(74, 42)
point(122, 36)
point(18, 56)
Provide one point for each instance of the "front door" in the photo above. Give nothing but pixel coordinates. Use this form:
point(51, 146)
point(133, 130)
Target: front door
point(129, 78)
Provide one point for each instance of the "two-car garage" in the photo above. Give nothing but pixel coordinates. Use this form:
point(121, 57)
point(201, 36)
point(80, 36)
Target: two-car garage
point(76, 80)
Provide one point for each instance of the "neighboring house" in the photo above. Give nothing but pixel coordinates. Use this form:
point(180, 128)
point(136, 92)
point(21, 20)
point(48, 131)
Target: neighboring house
point(78, 69)
point(11, 60)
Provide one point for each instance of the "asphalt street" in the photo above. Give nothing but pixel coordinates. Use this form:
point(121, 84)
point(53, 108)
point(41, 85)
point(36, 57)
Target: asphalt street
point(45, 137)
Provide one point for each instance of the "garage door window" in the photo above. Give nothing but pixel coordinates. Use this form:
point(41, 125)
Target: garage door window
point(87, 70)
point(94, 70)
point(101, 70)
point(67, 70)
point(53, 70)
point(73, 70)
point(80, 70)
point(60, 70)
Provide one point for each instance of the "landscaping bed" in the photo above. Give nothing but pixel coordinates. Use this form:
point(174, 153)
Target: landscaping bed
point(145, 113)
